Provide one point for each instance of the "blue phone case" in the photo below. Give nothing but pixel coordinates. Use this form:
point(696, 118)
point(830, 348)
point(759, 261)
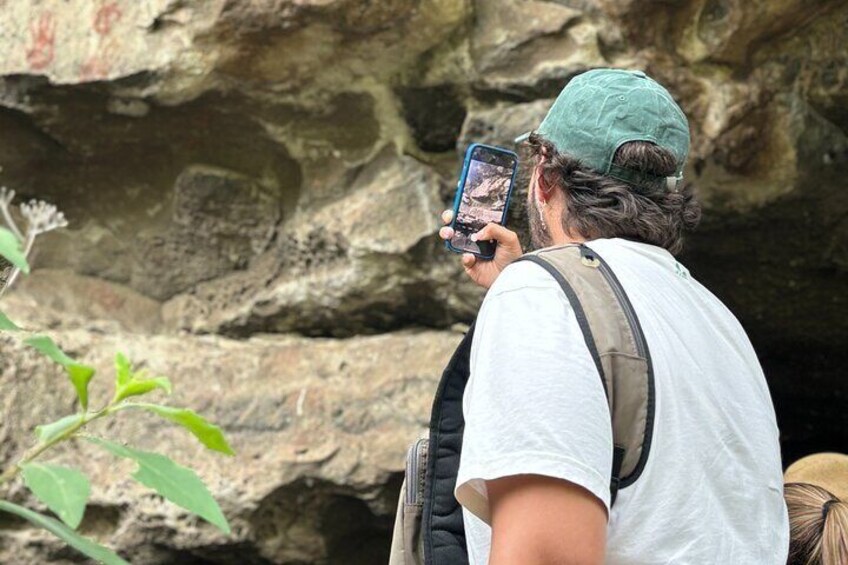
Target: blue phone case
point(461, 186)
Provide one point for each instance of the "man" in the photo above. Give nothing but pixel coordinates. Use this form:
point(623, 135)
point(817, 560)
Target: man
point(607, 166)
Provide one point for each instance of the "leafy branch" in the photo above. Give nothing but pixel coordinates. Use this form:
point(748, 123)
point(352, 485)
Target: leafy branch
point(63, 490)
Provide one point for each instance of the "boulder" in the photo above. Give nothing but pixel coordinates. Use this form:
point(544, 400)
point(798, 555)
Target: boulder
point(501, 123)
point(362, 263)
point(219, 222)
point(528, 50)
point(98, 41)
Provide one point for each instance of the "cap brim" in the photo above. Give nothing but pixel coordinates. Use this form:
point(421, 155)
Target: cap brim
point(523, 137)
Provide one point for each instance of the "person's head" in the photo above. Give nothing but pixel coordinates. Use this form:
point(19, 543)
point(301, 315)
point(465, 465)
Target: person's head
point(818, 525)
point(816, 493)
point(608, 162)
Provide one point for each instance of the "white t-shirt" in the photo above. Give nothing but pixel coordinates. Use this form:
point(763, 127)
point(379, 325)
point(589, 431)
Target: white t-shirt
point(712, 489)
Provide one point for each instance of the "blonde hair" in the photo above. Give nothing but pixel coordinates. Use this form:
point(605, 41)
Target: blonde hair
point(818, 526)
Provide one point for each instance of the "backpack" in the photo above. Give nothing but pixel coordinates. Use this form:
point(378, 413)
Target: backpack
point(429, 525)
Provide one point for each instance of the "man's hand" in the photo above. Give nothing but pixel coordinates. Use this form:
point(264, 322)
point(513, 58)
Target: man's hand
point(540, 520)
point(484, 272)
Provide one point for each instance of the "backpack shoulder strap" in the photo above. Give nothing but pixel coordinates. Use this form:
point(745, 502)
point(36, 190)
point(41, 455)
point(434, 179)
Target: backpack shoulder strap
point(443, 531)
point(618, 347)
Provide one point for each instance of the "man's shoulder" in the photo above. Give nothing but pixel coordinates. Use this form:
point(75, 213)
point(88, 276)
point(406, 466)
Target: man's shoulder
point(522, 275)
point(523, 295)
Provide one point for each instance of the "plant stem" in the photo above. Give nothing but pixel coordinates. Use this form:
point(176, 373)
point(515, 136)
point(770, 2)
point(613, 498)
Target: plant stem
point(10, 222)
point(41, 447)
point(30, 239)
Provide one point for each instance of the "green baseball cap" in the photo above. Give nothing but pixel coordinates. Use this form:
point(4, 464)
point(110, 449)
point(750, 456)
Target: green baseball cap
point(601, 109)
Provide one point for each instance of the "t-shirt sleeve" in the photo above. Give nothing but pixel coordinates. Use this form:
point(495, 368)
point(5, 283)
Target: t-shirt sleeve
point(534, 402)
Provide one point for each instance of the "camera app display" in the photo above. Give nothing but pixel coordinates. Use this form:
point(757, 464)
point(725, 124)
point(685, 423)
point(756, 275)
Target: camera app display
point(483, 201)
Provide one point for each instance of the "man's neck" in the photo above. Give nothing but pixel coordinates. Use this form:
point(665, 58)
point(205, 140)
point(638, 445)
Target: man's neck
point(560, 237)
point(556, 231)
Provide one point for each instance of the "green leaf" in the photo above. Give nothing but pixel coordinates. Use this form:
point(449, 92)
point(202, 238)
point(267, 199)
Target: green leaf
point(6, 324)
point(79, 374)
point(66, 534)
point(65, 491)
point(138, 387)
point(123, 370)
point(10, 248)
point(51, 431)
point(133, 383)
point(209, 434)
point(49, 348)
point(178, 484)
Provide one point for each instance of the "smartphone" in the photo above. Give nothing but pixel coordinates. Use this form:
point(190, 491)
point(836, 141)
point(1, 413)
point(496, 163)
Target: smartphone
point(482, 197)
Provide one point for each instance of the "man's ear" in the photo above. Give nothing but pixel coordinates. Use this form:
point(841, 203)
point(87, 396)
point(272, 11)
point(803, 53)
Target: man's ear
point(542, 185)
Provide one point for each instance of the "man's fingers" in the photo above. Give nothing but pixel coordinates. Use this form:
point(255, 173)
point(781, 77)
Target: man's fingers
point(447, 216)
point(446, 232)
point(498, 233)
point(468, 260)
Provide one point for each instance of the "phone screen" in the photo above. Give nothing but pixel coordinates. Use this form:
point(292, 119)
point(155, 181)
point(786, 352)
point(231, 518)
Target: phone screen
point(484, 197)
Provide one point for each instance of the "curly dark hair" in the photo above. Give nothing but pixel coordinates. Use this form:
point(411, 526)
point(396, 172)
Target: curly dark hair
point(601, 206)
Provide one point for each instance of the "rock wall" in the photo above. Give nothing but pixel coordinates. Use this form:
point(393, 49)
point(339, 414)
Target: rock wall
point(320, 427)
point(233, 170)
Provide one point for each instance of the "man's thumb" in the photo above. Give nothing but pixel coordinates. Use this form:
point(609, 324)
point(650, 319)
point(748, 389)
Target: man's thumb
point(496, 232)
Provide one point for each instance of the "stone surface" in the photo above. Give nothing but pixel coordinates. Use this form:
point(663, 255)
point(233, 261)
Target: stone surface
point(240, 169)
point(89, 41)
point(350, 266)
point(320, 428)
point(51, 298)
point(530, 49)
point(219, 221)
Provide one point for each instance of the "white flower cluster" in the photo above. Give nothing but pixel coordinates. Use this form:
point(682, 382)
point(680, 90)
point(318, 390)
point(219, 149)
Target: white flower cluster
point(41, 216)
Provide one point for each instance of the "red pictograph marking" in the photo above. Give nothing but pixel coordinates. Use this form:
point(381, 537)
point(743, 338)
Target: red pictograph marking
point(94, 68)
point(106, 17)
point(43, 41)
point(98, 65)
